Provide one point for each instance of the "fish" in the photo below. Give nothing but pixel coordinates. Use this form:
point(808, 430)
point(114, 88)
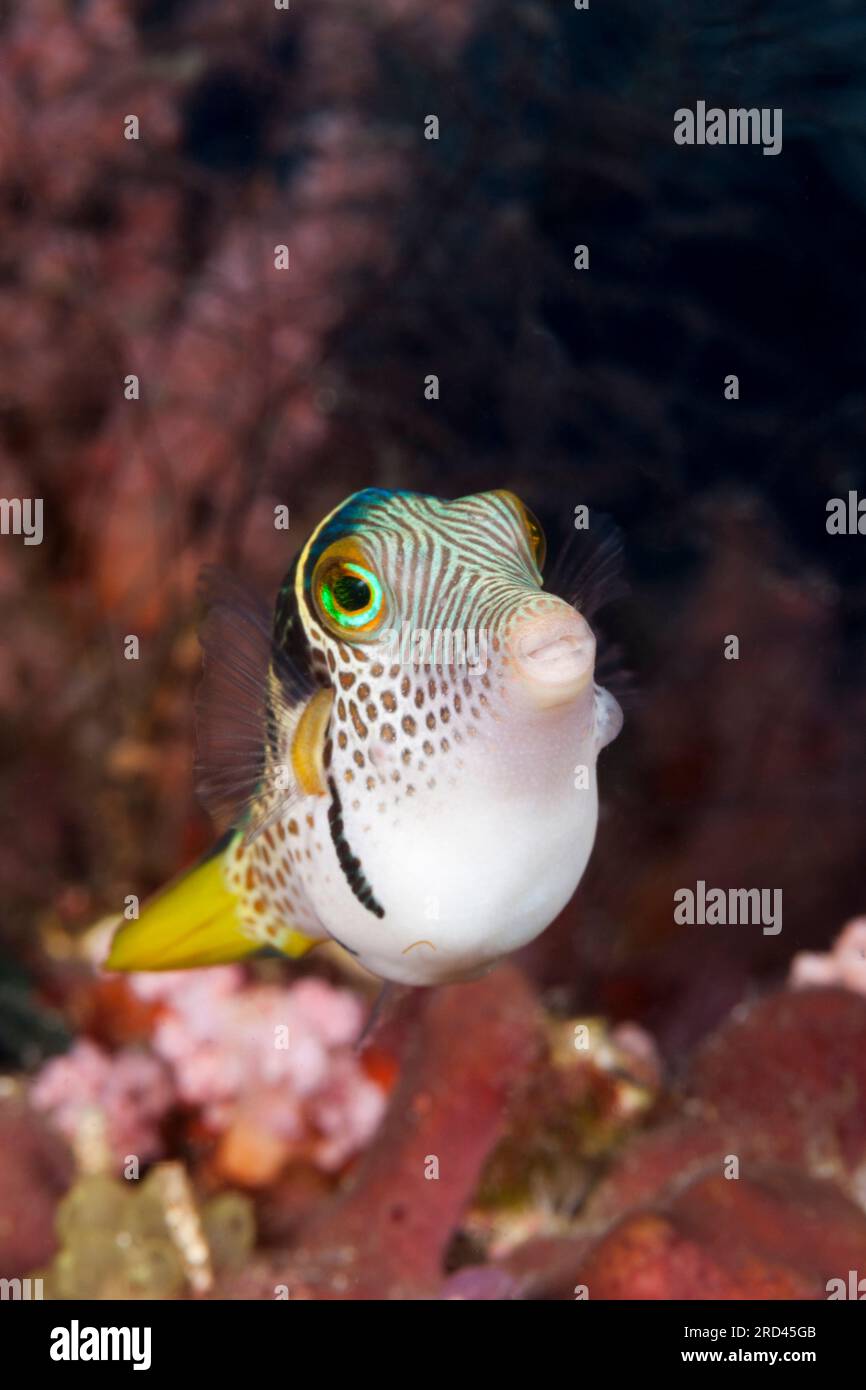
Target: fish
point(404, 755)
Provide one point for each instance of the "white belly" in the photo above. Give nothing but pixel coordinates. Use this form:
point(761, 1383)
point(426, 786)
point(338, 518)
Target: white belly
point(468, 876)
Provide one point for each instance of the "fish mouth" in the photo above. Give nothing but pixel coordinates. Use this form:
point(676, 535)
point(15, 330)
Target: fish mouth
point(551, 649)
point(555, 655)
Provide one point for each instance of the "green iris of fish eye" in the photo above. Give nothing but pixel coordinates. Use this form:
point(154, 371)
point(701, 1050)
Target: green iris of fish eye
point(354, 598)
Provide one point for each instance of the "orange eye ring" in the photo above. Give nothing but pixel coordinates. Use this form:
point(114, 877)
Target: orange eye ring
point(531, 525)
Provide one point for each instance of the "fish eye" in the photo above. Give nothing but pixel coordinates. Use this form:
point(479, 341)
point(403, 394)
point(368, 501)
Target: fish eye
point(349, 596)
point(352, 593)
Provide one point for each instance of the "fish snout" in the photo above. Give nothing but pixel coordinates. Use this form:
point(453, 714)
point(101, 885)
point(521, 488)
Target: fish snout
point(554, 654)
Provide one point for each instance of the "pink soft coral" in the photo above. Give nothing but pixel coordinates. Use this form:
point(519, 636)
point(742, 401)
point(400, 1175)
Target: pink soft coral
point(272, 1059)
point(844, 964)
point(131, 1090)
point(269, 1068)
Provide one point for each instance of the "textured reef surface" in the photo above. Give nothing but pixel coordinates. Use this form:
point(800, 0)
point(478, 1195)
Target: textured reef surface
point(477, 1147)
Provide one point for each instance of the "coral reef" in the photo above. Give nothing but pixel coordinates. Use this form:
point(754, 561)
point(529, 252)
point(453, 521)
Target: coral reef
point(36, 1168)
point(747, 1183)
point(844, 964)
point(752, 1181)
point(147, 1240)
point(268, 1071)
point(133, 1091)
point(567, 1163)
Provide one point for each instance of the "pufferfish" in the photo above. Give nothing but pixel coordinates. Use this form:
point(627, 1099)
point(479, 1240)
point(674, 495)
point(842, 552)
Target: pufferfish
point(430, 809)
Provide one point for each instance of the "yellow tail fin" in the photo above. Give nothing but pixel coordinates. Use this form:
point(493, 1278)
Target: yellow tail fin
point(194, 921)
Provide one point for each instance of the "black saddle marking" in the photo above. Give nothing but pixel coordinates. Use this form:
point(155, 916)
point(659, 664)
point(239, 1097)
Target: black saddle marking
point(349, 862)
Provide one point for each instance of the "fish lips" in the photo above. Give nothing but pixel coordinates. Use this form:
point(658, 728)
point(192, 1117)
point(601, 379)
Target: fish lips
point(554, 656)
